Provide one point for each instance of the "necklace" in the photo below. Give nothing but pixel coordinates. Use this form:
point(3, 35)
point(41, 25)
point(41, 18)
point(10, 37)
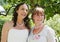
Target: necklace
point(20, 24)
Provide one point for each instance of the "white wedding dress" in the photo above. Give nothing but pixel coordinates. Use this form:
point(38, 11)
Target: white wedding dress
point(15, 35)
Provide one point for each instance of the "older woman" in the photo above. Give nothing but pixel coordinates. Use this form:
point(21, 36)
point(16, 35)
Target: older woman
point(40, 32)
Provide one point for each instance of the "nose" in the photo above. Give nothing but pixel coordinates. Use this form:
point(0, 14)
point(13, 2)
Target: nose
point(25, 11)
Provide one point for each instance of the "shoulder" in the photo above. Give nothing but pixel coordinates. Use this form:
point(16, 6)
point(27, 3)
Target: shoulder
point(7, 25)
point(50, 34)
point(50, 30)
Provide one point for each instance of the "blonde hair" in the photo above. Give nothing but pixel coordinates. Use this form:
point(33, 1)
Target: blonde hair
point(40, 9)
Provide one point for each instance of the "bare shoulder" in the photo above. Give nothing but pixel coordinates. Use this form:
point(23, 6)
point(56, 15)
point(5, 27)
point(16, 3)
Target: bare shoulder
point(7, 25)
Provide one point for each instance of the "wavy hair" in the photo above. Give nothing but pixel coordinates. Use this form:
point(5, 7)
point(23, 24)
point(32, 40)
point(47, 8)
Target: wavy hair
point(15, 15)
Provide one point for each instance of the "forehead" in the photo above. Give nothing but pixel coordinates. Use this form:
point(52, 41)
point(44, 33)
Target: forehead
point(24, 6)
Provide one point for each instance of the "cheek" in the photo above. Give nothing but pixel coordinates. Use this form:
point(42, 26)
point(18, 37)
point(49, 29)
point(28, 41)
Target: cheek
point(18, 11)
point(42, 19)
point(34, 18)
point(26, 12)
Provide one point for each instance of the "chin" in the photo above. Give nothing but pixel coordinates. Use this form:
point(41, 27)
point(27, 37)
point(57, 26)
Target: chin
point(23, 17)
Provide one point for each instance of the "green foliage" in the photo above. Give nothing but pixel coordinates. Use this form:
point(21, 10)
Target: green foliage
point(3, 19)
point(55, 24)
point(6, 6)
point(51, 6)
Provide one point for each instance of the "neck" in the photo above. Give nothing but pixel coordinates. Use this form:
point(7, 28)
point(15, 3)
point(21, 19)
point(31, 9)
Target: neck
point(19, 20)
point(39, 26)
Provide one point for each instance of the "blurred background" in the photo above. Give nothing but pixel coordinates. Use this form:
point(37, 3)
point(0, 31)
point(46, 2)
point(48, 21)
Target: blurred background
point(51, 7)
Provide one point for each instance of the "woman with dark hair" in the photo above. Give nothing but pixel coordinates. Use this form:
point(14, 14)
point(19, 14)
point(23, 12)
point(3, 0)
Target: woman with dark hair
point(40, 32)
point(16, 30)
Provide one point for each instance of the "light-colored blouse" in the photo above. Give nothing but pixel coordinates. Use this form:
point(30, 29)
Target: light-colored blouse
point(15, 35)
point(46, 35)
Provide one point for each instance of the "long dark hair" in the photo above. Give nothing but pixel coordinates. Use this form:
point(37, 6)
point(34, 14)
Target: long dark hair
point(15, 15)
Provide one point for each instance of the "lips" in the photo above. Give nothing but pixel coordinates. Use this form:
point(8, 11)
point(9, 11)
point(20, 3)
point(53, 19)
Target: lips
point(23, 14)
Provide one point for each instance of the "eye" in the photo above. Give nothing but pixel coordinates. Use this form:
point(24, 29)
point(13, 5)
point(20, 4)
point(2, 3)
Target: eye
point(22, 9)
point(27, 10)
point(41, 14)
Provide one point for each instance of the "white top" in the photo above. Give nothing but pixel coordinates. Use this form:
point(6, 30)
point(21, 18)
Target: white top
point(46, 35)
point(15, 35)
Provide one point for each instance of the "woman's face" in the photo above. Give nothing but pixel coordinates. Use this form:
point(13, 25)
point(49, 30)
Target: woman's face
point(22, 11)
point(38, 16)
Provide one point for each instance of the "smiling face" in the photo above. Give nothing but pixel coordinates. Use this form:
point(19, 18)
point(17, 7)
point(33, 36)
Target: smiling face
point(22, 11)
point(38, 15)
